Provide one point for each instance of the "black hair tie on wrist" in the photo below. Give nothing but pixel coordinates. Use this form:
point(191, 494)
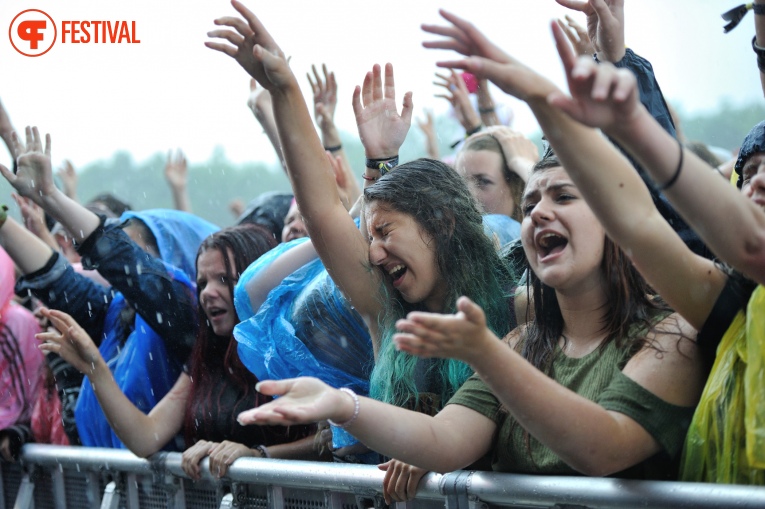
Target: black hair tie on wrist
point(678, 170)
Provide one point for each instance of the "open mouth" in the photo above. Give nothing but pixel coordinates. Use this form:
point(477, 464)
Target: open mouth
point(551, 243)
point(397, 273)
point(215, 312)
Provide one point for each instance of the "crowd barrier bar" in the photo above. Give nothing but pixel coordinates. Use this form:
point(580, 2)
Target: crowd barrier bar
point(59, 477)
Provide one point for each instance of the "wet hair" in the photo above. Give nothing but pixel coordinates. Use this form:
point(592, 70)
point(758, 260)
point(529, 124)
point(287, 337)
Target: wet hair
point(514, 181)
point(441, 204)
point(214, 357)
point(111, 202)
point(630, 305)
point(143, 231)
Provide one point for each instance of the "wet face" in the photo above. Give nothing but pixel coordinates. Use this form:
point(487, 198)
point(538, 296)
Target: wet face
point(404, 253)
point(214, 294)
point(483, 169)
point(562, 238)
point(753, 175)
point(294, 228)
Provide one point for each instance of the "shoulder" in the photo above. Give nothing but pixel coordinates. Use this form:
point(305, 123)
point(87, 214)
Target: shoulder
point(669, 364)
point(514, 338)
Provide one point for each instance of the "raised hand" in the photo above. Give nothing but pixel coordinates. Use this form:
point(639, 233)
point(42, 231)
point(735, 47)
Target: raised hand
point(302, 401)
point(68, 176)
point(464, 38)
point(601, 95)
point(34, 176)
point(485, 59)
point(605, 25)
point(324, 96)
point(578, 36)
point(381, 129)
point(457, 336)
point(457, 94)
point(253, 48)
point(401, 481)
point(71, 342)
point(176, 170)
point(428, 128)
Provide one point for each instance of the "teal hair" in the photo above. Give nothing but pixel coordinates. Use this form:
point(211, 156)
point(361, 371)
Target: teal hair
point(441, 204)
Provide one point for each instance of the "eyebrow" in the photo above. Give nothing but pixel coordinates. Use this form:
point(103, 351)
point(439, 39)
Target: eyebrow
point(553, 187)
point(381, 227)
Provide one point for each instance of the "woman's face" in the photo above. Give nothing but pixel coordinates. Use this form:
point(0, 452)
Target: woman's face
point(483, 170)
point(404, 252)
point(294, 228)
point(754, 179)
point(214, 293)
point(562, 238)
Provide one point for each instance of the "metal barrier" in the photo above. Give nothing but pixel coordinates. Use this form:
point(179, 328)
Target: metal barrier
point(78, 477)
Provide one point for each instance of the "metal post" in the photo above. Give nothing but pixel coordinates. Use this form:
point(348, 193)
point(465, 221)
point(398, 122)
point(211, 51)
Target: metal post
point(227, 502)
point(25, 498)
point(59, 491)
point(275, 497)
point(112, 496)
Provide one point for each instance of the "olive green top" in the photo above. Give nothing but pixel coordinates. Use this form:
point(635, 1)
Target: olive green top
point(598, 377)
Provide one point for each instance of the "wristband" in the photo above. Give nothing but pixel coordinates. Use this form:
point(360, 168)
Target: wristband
point(384, 165)
point(356, 407)
point(334, 149)
point(3, 214)
point(474, 130)
point(760, 52)
point(678, 170)
point(367, 178)
point(263, 451)
point(485, 111)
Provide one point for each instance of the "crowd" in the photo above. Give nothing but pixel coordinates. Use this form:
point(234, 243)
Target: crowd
point(580, 313)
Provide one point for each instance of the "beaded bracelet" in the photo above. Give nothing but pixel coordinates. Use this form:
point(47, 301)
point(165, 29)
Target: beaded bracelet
point(384, 164)
point(356, 407)
point(263, 451)
point(334, 149)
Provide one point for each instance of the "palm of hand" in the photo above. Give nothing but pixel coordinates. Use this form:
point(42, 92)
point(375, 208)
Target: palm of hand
point(381, 128)
point(34, 177)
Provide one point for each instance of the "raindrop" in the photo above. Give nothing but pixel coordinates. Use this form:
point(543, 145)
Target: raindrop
point(159, 317)
point(151, 357)
point(127, 270)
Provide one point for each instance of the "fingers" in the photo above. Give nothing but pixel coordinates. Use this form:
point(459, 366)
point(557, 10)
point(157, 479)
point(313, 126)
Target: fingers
point(572, 36)
point(275, 387)
point(366, 90)
point(358, 110)
point(193, 456)
point(581, 32)
point(377, 85)
point(565, 51)
point(232, 37)
point(576, 5)
point(236, 23)
point(408, 109)
point(626, 86)
point(472, 311)
point(223, 48)
point(390, 85)
point(7, 174)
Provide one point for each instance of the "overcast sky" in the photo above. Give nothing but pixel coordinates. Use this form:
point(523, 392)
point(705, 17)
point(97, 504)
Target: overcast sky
point(170, 91)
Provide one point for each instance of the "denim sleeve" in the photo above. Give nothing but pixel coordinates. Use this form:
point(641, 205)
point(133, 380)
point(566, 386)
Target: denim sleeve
point(166, 302)
point(60, 287)
point(653, 100)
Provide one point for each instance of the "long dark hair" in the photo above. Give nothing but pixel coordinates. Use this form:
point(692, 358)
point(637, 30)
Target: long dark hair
point(441, 204)
point(629, 299)
point(216, 356)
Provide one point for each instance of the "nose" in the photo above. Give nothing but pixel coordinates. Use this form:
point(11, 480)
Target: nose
point(542, 212)
point(757, 182)
point(376, 252)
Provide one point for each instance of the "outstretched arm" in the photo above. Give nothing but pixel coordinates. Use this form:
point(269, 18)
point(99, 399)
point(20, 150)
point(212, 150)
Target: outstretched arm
point(342, 248)
point(587, 436)
point(620, 200)
point(142, 434)
point(260, 104)
point(433, 443)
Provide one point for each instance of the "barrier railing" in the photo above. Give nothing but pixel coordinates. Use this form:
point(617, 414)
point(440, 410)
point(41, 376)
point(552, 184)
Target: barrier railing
point(77, 477)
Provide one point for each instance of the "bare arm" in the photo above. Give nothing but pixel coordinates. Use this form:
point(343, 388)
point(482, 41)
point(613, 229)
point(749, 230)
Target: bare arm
point(589, 438)
point(142, 434)
point(28, 252)
point(341, 247)
point(261, 106)
point(433, 443)
point(324, 105)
